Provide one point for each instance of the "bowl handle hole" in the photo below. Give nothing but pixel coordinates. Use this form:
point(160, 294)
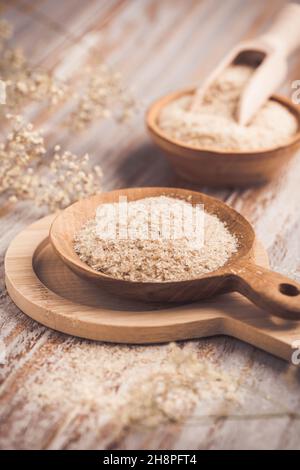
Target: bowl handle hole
point(289, 289)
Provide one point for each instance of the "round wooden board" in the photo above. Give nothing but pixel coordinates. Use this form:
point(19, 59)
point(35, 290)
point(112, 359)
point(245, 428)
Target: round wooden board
point(47, 291)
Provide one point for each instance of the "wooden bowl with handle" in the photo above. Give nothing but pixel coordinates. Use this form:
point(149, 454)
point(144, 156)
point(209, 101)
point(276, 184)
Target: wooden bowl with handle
point(220, 167)
point(272, 291)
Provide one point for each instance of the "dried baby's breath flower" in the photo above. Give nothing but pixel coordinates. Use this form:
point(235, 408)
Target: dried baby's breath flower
point(103, 92)
point(29, 85)
point(12, 60)
point(68, 179)
point(52, 182)
point(24, 84)
point(22, 147)
point(104, 95)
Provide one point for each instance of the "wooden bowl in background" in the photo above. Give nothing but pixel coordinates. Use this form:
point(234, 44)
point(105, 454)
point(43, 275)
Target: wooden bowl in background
point(219, 167)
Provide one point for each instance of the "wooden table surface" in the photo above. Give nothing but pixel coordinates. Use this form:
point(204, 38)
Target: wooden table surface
point(159, 46)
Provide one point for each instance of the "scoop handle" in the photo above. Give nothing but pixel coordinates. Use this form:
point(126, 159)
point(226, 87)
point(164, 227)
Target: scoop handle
point(284, 34)
point(269, 290)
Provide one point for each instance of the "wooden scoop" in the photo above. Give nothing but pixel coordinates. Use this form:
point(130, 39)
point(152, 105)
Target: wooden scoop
point(268, 55)
point(272, 291)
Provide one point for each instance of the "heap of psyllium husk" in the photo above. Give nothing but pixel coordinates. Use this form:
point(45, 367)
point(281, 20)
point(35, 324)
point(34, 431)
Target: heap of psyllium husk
point(138, 385)
point(141, 258)
point(213, 125)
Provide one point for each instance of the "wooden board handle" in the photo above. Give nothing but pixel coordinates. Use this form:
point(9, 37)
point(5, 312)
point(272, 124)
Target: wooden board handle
point(284, 34)
point(271, 291)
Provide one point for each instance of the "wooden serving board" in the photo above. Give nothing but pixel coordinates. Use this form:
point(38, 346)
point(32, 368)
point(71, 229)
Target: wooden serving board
point(47, 291)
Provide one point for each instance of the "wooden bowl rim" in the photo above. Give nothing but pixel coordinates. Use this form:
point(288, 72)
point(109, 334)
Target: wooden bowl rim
point(74, 262)
point(154, 109)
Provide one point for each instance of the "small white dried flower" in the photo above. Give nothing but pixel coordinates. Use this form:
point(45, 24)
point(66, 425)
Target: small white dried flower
point(103, 96)
point(64, 180)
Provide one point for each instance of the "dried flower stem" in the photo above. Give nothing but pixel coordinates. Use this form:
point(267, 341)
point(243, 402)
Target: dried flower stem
point(65, 180)
point(103, 96)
